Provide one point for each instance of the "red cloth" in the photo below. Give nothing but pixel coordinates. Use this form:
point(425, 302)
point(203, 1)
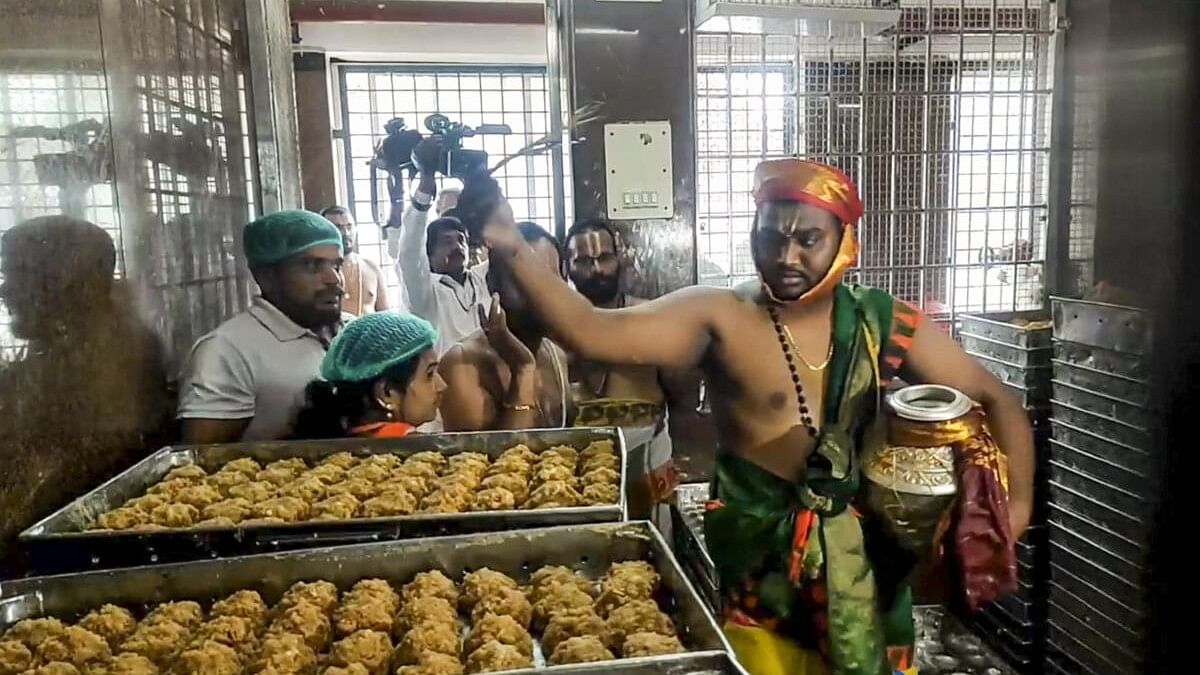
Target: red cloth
point(383, 430)
point(982, 535)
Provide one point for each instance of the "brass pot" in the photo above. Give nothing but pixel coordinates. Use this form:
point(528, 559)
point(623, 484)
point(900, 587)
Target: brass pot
point(911, 487)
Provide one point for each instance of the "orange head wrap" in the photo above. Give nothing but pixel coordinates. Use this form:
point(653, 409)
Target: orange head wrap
point(820, 185)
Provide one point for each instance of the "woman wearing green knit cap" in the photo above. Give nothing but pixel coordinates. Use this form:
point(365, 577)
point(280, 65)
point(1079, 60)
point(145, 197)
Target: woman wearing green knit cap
point(379, 379)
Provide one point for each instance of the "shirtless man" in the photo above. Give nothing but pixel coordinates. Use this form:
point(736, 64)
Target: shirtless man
point(508, 375)
point(795, 363)
point(594, 267)
point(366, 290)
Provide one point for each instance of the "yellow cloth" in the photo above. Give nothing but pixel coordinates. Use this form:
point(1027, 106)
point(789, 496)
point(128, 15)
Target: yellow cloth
point(762, 652)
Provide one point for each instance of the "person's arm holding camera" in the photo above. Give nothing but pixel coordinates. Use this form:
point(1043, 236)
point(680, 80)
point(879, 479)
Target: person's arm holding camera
point(412, 259)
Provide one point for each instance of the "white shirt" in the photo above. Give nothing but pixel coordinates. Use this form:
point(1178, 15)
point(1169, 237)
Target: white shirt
point(255, 365)
point(450, 306)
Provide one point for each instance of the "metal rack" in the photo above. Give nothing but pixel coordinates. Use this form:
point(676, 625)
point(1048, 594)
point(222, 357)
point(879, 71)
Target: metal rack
point(1017, 349)
point(1100, 502)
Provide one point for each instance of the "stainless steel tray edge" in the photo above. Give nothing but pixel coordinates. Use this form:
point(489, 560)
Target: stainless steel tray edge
point(592, 546)
point(62, 528)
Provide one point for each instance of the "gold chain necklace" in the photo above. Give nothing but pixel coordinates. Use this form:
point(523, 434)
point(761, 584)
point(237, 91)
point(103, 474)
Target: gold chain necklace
point(795, 348)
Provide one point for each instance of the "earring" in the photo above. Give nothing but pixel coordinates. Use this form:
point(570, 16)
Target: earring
point(387, 408)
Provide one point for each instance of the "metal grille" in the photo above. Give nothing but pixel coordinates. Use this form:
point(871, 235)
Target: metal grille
point(197, 177)
point(473, 95)
point(51, 100)
point(941, 121)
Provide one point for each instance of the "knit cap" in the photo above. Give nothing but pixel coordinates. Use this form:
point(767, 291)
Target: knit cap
point(369, 346)
point(283, 234)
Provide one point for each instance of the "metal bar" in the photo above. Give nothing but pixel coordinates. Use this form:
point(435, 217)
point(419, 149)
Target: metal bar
point(830, 105)
point(893, 186)
point(764, 143)
point(729, 141)
point(125, 122)
point(862, 116)
point(869, 95)
point(1020, 157)
point(273, 95)
point(925, 141)
point(1058, 189)
point(952, 282)
point(991, 98)
point(556, 45)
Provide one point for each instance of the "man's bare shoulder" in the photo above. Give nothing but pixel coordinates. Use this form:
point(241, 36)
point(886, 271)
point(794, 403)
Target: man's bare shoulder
point(369, 264)
point(473, 350)
point(691, 295)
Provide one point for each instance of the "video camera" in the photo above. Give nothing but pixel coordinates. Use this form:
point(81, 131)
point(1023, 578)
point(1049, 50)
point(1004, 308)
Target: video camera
point(457, 161)
point(395, 155)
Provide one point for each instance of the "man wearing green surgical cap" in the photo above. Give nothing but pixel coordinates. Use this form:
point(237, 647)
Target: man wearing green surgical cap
point(246, 379)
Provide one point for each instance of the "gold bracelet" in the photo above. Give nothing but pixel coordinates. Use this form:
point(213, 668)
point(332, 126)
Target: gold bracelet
point(518, 407)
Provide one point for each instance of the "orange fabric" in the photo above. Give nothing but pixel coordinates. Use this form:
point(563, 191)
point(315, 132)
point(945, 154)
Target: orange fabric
point(383, 430)
point(809, 182)
point(822, 186)
point(805, 520)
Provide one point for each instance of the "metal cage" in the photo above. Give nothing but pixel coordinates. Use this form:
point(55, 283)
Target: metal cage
point(942, 120)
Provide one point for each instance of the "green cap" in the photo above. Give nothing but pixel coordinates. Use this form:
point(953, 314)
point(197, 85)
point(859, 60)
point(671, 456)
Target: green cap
point(371, 345)
point(283, 234)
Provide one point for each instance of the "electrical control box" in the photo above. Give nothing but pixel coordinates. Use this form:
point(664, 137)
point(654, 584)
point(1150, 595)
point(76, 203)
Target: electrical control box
point(637, 168)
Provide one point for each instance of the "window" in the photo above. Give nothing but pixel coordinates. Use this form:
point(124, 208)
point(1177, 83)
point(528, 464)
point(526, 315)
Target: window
point(473, 95)
point(51, 101)
point(941, 122)
point(744, 114)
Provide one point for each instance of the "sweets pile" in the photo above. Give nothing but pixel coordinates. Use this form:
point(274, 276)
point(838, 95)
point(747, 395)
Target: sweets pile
point(431, 626)
point(343, 486)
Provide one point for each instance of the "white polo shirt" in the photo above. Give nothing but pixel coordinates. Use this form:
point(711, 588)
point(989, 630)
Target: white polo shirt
point(255, 365)
point(451, 307)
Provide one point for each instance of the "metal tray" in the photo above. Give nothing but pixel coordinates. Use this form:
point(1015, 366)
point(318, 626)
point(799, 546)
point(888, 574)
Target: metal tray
point(1035, 379)
point(1037, 403)
point(687, 513)
point(1129, 366)
point(1101, 589)
point(1108, 429)
point(60, 543)
point(1002, 326)
point(1061, 664)
point(1063, 539)
point(588, 549)
point(1134, 391)
point(1097, 511)
point(1135, 505)
point(1074, 639)
point(939, 633)
point(1102, 404)
point(1095, 467)
point(1062, 639)
point(1136, 460)
point(1002, 351)
point(1097, 324)
point(1061, 516)
point(1114, 631)
point(1016, 650)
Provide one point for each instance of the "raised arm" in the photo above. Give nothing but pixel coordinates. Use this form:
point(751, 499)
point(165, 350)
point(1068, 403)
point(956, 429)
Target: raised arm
point(412, 261)
point(935, 358)
point(468, 405)
point(673, 331)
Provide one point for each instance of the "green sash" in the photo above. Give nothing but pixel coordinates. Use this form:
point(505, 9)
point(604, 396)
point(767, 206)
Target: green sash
point(754, 527)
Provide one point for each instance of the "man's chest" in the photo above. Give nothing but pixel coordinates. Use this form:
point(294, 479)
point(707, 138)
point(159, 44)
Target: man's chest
point(285, 368)
point(771, 377)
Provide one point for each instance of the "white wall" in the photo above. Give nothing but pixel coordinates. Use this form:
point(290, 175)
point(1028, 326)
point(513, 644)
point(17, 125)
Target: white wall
point(427, 43)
